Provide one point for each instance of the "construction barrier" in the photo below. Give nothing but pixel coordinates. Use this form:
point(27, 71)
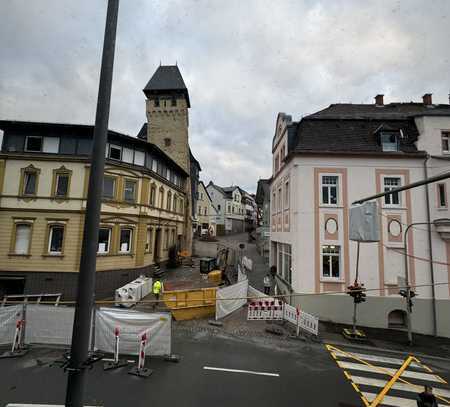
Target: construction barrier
point(131, 324)
point(140, 369)
point(131, 293)
point(191, 304)
point(269, 309)
point(8, 321)
point(48, 324)
point(233, 296)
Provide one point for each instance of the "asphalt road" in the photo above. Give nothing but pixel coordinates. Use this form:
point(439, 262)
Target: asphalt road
point(306, 378)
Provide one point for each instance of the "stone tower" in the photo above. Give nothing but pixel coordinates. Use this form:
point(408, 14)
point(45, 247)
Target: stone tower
point(167, 107)
point(167, 114)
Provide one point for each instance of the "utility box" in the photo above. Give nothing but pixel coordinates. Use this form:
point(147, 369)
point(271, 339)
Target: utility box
point(207, 264)
point(365, 223)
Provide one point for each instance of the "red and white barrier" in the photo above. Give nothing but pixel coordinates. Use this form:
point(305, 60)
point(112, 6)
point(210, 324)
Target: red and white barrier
point(274, 309)
point(269, 309)
point(18, 335)
point(140, 369)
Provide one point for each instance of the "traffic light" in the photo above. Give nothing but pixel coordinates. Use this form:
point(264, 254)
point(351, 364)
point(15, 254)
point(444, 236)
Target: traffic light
point(412, 294)
point(357, 292)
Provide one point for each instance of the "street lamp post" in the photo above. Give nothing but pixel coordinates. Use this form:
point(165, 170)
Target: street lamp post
point(86, 277)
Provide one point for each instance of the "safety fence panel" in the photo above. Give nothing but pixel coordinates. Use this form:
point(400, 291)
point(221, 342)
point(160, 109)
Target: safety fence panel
point(290, 314)
point(231, 298)
point(269, 309)
point(309, 323)
point(8, 320)
point(49, 324)
point(131, 324)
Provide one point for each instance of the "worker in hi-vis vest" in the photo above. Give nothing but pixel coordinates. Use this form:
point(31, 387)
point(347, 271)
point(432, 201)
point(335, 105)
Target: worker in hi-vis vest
point(157, 288)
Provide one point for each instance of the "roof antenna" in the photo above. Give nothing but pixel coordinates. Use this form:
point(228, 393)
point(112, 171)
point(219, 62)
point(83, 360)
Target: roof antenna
point(159, 62)
point(176, 63)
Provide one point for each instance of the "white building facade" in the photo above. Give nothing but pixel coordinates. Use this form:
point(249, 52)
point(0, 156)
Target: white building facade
point(228, 202)
point(339, 155)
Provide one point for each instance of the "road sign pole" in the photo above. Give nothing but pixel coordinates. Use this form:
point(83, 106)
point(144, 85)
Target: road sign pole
point(86, 276)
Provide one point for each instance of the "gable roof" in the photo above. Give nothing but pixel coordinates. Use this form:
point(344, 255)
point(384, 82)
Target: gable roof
point(166, 79)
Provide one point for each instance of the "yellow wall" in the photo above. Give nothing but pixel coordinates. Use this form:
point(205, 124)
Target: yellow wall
point(43, 208)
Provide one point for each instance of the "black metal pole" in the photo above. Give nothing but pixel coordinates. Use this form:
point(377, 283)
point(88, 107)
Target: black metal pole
point(405, 187)
point(86, 277)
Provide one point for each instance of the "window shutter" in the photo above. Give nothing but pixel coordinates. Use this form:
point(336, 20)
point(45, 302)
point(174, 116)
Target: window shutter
point(22, 239)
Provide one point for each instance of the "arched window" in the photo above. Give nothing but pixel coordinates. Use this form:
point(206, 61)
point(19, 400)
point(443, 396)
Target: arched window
point(153, 195)
point(161, 197)
point(169, 201)
point(397, 319)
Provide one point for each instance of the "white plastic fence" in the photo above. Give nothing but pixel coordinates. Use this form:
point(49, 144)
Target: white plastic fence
point(45, 324)
point(131, 324)
point(233, 296)
point(266, 308)
point(48, 324)
point(8, 320)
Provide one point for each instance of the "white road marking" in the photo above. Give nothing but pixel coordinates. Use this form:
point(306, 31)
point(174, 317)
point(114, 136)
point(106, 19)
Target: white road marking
point(370, 381)
point(386, 370)
point(374, 358)
point(395, 401)
point(241, 371)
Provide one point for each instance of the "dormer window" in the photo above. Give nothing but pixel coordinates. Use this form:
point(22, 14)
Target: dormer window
point(389, 142)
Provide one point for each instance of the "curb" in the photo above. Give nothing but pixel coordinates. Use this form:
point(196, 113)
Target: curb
point(373, 348)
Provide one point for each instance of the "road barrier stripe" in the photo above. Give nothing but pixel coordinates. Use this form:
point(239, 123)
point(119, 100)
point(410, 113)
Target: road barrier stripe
point(396, 401)
point(414, 388)
point(389, 371)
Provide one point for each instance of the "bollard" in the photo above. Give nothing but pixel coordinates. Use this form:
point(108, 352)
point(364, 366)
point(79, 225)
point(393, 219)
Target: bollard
point(140, 370)
point(18, 348)
point(116, 362)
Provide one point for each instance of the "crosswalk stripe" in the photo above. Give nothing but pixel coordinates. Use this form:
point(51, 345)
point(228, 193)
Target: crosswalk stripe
point(388, 371)
point(396, 401)
point(370, 381)
point(373, 358)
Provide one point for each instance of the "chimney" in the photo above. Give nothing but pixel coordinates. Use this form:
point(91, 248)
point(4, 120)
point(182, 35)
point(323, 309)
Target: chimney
point(379, 100)
point(427, 100)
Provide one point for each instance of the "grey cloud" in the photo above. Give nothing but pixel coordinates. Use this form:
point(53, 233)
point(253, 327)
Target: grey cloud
point(243, 62)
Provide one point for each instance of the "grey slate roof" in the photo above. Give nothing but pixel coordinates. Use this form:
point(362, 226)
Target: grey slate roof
point(166, 79)
point(371, 111)
point(351, 136)
point(353, 128)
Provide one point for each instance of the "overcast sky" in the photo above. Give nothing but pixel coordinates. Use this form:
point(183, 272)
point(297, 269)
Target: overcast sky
point(243, 62)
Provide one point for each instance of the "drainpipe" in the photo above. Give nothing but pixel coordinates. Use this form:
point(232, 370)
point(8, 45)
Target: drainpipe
point(430, 245)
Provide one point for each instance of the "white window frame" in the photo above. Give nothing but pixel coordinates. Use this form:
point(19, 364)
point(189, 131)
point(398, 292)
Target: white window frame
point(287, 195)
point(400, 200)
point(109, 229)
point(50, 236)
point(130, 243)
point(29, 225)
point(134, 182)
point(445, 136)
point(329, 186)
point(149, 239)
point(329, 255)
